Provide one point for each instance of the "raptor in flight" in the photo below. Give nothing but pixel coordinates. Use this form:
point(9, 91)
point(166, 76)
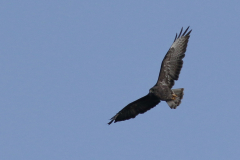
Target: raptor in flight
point(162, 90)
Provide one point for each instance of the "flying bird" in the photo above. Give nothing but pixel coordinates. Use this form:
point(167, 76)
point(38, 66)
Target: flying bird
point(162, 90)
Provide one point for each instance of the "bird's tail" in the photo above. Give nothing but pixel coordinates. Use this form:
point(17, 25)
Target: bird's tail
point(176, 102)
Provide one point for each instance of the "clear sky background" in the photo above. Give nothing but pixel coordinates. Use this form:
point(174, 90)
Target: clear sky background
point(67, 67)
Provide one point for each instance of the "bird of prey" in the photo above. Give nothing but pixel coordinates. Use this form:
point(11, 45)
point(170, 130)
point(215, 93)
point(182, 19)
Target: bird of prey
point(162, 90)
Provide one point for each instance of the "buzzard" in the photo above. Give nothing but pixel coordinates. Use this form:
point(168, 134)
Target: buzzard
point(162, 90)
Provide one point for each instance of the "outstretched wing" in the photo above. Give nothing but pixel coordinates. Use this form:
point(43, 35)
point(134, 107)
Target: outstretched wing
point(172, 62)
point(133, 109)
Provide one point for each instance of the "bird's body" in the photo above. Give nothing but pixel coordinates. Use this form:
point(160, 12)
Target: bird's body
point(162, 90)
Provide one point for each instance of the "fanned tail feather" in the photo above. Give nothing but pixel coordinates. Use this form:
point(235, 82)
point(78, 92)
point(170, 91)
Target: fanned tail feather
point(177, 101)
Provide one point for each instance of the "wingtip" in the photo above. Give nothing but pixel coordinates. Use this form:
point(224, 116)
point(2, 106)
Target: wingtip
point(180, 32)
point(110, 122)
point(113, 119)
point(181, 35)
point(185, 31)
point(188, 33)
point(175, 38)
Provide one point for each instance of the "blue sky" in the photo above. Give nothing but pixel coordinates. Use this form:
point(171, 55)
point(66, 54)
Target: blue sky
point(68, 66)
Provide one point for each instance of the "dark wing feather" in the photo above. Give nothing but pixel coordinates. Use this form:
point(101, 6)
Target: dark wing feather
point(133, 109)
point(172, 62)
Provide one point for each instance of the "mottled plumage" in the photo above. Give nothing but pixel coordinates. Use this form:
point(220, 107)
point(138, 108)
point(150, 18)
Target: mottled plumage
point(161, 91)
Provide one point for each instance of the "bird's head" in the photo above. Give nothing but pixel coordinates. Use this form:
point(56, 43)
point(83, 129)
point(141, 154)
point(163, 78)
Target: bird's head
point(152, 90)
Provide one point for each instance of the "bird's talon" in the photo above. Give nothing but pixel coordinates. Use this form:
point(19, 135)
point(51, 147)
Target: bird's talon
point(174, 96)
